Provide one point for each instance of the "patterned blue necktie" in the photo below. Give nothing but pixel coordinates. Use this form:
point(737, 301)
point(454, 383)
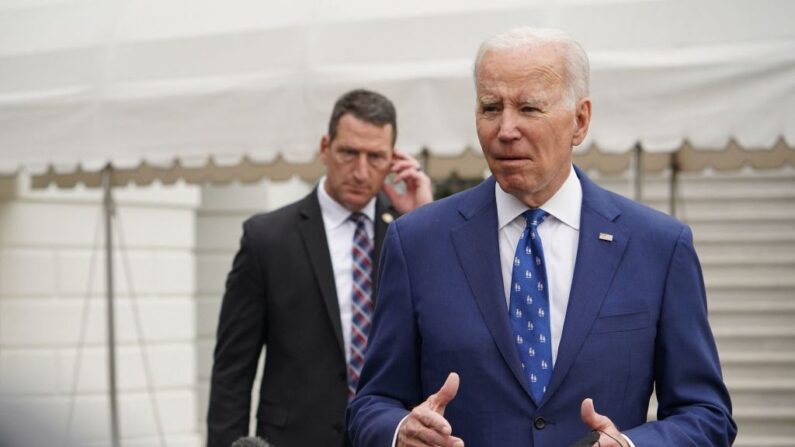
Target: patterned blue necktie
point(530, 306)
point(361, 300)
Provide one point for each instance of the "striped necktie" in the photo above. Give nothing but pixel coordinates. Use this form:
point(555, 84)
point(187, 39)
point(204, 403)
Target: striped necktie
point(530, 306)
point(361, 302)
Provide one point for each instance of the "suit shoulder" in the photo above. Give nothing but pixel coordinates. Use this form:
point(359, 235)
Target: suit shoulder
point(645, 219)
point(435, 220)
point(261, 225)
point(440, 211)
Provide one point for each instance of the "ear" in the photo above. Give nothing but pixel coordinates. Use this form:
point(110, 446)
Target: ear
point(325, 149)
point(582, 119)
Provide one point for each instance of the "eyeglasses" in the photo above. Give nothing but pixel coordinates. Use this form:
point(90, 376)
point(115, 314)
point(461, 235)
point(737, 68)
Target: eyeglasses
point(376, 160)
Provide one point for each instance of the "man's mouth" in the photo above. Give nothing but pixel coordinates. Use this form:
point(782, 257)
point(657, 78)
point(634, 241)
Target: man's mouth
point(512, 159)
point(358, 189)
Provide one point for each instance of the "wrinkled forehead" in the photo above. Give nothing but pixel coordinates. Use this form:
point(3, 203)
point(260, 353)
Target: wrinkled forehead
point(541, 66)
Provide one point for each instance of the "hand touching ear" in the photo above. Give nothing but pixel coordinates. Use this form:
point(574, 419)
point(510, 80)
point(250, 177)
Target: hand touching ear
point(418, 185)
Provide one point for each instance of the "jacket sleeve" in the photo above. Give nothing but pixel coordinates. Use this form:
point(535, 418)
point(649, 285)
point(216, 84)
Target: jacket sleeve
point(240, 338)
point(694, 408)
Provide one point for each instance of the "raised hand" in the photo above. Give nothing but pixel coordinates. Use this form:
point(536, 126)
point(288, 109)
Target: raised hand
point(426, 426)
point(418, 185)
point(609, 436)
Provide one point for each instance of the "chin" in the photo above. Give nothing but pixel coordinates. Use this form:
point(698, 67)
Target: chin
point(514, 181)
point(355, 203)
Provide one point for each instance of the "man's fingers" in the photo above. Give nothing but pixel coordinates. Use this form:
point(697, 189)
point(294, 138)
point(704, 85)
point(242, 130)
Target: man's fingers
point(400, 155)
point(593, 419)
point(390, 192)
point(424, 427)
point(417, 191)
point(438, 402)
point(406, 175)
point(609, 434)
point(434, 421)
point(402, 161)
point(405, 165)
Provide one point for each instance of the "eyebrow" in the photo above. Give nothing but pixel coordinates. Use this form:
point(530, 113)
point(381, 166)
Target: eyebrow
point(365, 151)
point(536, 102)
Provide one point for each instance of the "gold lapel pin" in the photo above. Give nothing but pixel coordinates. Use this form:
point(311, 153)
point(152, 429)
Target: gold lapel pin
point(606, 237)
point(387, 218)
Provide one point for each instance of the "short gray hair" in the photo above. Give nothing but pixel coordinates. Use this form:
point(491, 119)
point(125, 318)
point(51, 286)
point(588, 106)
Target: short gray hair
point(575, 61)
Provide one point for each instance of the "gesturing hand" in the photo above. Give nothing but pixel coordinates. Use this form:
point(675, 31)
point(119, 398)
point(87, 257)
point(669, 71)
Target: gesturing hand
point(426, 425)
point(609, 436)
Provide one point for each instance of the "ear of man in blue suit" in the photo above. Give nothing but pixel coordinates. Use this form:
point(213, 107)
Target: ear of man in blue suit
point(623, 308)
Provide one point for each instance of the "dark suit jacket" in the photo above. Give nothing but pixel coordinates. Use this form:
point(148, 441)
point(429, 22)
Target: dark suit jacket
point(636, 319)
point(281, 294)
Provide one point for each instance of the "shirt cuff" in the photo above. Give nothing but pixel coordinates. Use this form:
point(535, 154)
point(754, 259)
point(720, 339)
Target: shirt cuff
point(629, 441)
point(394, 438)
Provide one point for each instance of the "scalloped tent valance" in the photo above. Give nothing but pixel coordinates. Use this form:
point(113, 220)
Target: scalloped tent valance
point(210, 91)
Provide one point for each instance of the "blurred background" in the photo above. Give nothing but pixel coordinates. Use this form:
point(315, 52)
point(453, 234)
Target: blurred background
point(151, 129)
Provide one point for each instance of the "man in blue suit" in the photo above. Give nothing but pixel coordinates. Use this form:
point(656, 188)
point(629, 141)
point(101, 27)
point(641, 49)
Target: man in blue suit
point(509, 312)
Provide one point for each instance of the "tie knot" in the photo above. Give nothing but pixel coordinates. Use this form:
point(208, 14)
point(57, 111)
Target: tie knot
point(358, 218)
point(535, 216)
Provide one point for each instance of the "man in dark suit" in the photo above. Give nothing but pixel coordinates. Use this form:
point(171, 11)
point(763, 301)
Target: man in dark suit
point(301, 284)
point(508, 311)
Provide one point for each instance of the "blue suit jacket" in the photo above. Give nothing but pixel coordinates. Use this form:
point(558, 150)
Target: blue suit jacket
point(636, 320)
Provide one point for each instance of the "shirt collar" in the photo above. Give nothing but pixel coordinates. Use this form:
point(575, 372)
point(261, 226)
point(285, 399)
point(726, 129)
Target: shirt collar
point(334, 214)
point(564, 205)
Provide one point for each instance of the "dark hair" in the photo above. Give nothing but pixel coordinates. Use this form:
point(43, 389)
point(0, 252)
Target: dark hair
point(366, 105)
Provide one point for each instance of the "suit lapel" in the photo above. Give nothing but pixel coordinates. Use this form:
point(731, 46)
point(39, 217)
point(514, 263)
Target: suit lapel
point(596, 264)
point(476, 244)
point(313, 234)
point(384, 215)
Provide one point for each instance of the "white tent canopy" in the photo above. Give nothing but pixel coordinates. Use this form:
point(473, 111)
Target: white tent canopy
point(197, 83)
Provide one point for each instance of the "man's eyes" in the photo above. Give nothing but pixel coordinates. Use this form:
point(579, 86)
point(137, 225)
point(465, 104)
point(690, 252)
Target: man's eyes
point(496, 108)
point(349, 153)
point(353, 153)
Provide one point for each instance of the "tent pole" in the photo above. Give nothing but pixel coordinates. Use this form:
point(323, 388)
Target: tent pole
point(109, 209)
point(638, 172)
point(674, 183)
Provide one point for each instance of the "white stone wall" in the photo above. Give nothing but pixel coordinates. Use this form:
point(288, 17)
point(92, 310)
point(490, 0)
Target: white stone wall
point(52, 282)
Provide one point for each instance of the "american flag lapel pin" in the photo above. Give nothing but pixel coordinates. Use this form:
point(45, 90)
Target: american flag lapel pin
point(606, 237)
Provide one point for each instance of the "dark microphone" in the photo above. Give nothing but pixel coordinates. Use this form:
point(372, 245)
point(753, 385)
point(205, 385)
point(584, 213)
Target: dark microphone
point(250, 441)
point(588, 440)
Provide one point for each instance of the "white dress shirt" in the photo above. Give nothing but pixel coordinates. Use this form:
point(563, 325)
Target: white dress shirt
point(339, 235)
point(559, 233)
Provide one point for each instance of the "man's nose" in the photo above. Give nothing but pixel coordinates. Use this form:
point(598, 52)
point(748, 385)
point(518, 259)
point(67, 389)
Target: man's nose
point(509, 129)
point(361, 168)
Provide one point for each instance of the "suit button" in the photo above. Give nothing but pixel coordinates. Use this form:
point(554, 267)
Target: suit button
point(337, 427)
point(540, 423)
